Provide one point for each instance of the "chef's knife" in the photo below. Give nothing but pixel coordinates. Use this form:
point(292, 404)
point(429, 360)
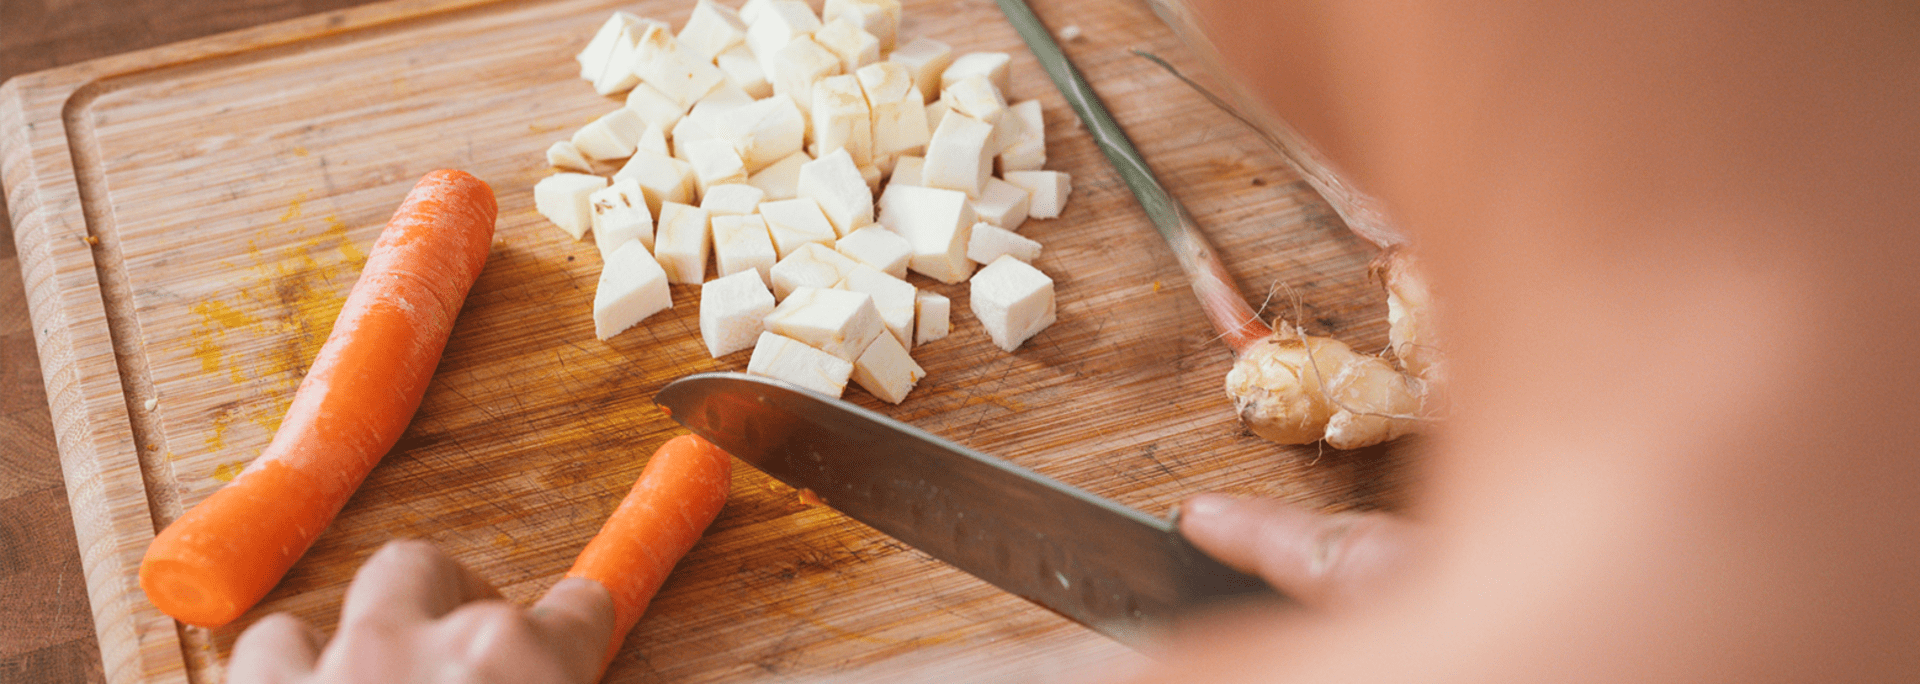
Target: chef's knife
point(1116, 570)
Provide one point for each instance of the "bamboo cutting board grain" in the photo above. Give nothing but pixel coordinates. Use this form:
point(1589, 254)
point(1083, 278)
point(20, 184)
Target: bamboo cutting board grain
point(190, 218)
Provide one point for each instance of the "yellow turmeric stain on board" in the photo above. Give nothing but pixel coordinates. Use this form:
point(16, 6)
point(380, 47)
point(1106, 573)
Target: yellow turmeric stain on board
point(299, 151)
point(293, 208)
point(337, 231)
point(265, 337)
point(269, 415)
point(216, 318)
point(219, 313)
point(225, 472)
point(217, 430)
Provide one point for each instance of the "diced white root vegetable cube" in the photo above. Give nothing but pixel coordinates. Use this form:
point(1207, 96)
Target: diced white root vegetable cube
point(620, 214)
point(612, 136)
point(662, 178)
point(886, 370)
point(790, 360)
point(992, 65)
point(733, 309)
point(975, 96)
point(715, 162)
point(735, 199)
point(878, 247)
point(927, 59)
point(743, 71)
point(752, 9)
point(841, 263)
point(564, 156)
point(683, 242)
point(936, 112)
point(800, 270)
point(838, 322)
point(810, 266)
point(841, 119)
point(1029, 153)
point(722, 98)
point(1026, 155)
point(775, 26)
point(654, 140)
point(797, 222)
point(615, 75)
point(1002, 204)
point(632, 287)
point(906, 171)
point(797, 67)
point(878, 17)
point(1013, 300)
point(689, 130)
point(1033, 121)
point(931, 319)
point(781, 181)
point(873, 176)
point(593, 57)
point(937, 223)
point(563, 199)
point(654, 107)
point(895, 298)
point(853, 45)
point(899, 115)
point(741, 243)
point(989, 242)
point(1047, 191)
point(960, 156)
point(675, 71)
point(712, 29)
point(765, 132)
point(837, 186)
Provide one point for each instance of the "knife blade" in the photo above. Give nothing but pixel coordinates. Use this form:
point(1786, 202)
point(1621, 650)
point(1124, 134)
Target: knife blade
point(1111, 568)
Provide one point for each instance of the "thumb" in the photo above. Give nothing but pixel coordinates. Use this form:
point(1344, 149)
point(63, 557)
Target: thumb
point(576, 616)
point(1320, 560)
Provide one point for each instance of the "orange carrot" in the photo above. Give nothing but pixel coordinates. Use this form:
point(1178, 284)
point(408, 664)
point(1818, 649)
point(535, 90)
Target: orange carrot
point(678, 495)
point(220, 558)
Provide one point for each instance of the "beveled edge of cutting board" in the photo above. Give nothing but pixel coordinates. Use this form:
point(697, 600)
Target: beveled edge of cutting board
point(95, 415)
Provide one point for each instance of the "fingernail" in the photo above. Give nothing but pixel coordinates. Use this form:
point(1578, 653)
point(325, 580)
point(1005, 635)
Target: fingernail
point(1205, 505)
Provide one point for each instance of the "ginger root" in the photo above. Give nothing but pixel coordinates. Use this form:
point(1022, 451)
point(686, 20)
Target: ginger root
point(1410, 313)
point(1294, 388)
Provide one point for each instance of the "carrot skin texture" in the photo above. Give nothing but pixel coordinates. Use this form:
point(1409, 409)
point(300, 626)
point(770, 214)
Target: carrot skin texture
point(678, 495)
point(361, 391)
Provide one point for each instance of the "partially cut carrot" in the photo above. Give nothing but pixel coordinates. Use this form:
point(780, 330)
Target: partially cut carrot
point(679, 493)
point(220, 558)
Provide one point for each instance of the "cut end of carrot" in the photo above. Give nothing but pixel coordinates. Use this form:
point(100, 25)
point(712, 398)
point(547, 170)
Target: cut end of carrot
point(181, 590)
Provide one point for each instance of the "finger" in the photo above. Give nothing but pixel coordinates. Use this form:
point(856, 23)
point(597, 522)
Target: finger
point(577, 616)
point(279, 648)
point(1320, 560)
point(411, 580)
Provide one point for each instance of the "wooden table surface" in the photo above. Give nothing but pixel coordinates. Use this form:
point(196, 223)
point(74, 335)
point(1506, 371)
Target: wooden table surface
point(47, 635)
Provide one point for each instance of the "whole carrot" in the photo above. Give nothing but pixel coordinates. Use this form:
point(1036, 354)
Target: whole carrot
point(220, 558)
point(679, 493)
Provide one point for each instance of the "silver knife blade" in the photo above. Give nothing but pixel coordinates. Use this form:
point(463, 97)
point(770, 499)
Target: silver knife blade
point(1114, 569)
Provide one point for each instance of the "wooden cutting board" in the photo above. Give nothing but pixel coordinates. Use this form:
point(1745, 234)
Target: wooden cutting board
point(189, 219)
